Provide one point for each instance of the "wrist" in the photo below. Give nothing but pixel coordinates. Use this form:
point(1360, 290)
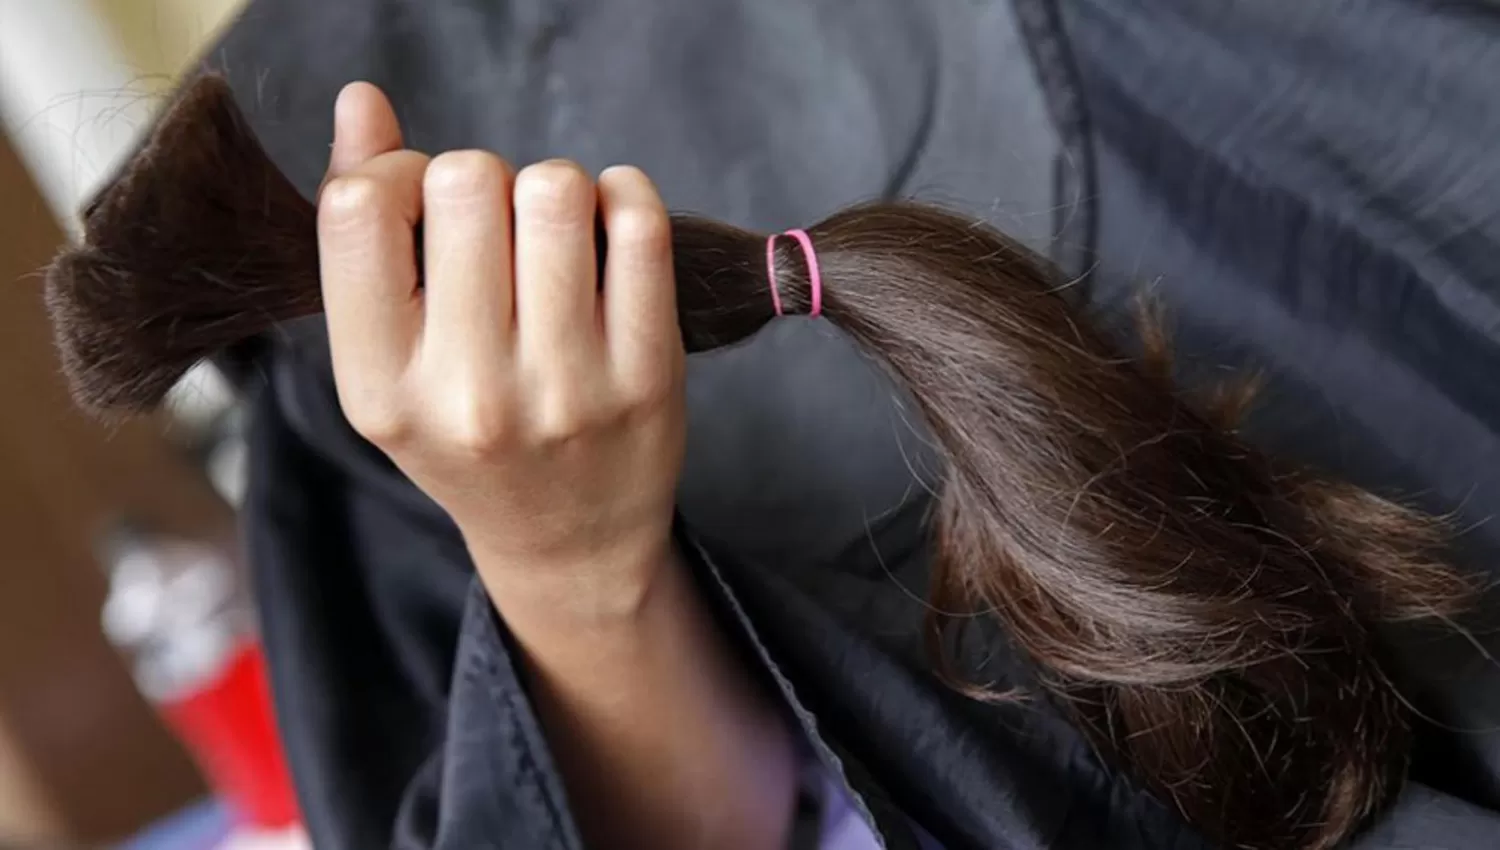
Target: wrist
point(571, 589)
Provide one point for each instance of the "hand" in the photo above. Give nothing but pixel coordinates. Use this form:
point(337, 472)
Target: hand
point(541, 410)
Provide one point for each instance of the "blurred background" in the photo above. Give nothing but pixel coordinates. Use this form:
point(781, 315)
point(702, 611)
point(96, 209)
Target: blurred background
point(133, 710)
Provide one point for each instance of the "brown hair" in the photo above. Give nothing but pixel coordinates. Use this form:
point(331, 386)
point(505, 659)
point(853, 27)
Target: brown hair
point(1207, 617)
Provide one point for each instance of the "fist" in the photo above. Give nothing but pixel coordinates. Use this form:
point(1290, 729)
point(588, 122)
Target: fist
point(535, 397)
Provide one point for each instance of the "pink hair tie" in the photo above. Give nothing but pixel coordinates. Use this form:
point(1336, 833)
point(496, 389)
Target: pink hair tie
point(814, 277)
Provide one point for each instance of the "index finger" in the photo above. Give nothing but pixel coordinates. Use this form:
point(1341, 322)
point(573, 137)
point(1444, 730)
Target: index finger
point(367, 254)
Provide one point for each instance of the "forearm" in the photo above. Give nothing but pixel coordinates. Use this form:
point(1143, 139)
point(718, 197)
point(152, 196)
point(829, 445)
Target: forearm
point(664, 739)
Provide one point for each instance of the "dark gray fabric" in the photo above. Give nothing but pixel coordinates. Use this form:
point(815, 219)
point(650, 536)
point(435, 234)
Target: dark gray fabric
point(1311, 187)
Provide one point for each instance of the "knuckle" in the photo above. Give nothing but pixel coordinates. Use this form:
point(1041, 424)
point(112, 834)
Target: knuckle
point(642, 226)
point(352, 200)
point(650, 389)
point(475, 425)
point(465, 172)
point(554, 188)
point(560, 420)
point(380, 422)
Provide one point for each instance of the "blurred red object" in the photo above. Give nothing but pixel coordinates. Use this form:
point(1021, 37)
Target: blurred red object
point(177, 610)
point(229, 726)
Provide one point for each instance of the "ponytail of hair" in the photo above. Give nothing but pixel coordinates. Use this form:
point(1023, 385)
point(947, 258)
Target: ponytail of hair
point(1207, 617)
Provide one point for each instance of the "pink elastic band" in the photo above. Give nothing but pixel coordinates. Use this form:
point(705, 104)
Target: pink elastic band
point(814, 277)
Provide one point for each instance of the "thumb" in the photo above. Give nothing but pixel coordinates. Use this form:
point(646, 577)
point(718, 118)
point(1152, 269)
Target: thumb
point(364, 126)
